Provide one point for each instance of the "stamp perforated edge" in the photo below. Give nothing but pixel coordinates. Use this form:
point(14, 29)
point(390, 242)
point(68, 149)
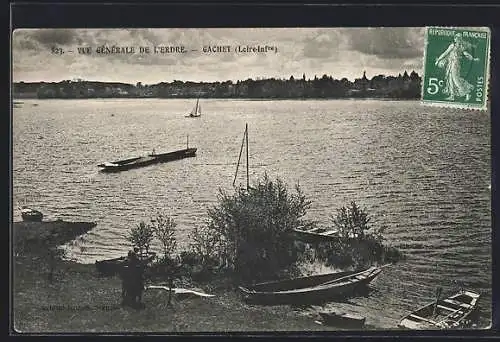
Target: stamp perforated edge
point(485, 106)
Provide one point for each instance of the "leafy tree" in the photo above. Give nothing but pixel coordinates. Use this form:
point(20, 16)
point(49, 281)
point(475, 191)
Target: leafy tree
point(360, 243)
point(205, 245)
point(141, 237)
point(351, 221)
point(250, 229)
point(164, 227)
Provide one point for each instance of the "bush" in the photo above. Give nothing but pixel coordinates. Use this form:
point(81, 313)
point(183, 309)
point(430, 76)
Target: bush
point(360, 244)
point(141, 237)
point(163, 227)
point(352, 222)
point(206, 246)
point(249, 232)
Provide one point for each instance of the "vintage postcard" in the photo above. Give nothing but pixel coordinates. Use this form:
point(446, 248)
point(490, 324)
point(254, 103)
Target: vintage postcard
point(251, 180)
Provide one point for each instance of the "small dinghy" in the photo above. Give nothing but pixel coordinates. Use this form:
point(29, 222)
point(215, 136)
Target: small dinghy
point(111, 267)
point(32, 215)
point(449, 313)
point(342, 319)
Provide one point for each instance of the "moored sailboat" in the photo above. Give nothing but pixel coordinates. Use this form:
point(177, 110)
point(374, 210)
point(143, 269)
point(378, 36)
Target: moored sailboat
point(196, 112)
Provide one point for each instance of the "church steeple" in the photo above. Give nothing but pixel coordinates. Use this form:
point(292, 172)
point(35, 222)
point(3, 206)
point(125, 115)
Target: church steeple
point(364, 75)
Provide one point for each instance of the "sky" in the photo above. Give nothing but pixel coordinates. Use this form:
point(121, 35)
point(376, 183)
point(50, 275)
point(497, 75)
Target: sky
point(337, 52)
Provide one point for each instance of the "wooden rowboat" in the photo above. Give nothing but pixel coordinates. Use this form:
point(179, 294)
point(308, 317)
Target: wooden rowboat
point(316, 235)
point(111, 267)
point(342, 319)
point(318, 288)
point(31, 215)
point(448, 313)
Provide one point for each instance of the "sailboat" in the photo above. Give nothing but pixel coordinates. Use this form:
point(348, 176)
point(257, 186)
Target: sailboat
point(196, 112)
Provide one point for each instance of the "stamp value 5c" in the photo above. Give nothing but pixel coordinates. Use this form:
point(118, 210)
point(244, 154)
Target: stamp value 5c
point(456, 67)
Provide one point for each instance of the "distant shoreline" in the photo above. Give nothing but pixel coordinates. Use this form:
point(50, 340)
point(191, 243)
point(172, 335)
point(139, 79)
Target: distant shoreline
point(406, 86)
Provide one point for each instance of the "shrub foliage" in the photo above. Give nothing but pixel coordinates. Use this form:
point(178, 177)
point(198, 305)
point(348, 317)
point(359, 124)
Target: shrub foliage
point(248, 232)
point(164, 227)
point(141, 236)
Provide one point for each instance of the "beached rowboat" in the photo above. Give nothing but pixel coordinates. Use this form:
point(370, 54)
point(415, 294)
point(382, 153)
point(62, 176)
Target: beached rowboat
point(318, 288)
point(111, 267)
point(342, 319)
point(32, 215)
point(448, 313)
point(316, 235)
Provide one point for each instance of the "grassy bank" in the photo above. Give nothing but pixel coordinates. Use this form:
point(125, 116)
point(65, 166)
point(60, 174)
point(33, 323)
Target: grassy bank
point(78, 300)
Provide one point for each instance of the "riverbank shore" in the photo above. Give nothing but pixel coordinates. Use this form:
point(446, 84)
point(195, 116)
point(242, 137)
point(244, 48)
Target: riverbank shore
point(79, 300)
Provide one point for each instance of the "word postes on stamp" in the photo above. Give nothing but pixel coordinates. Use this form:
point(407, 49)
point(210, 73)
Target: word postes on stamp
point(456, 67)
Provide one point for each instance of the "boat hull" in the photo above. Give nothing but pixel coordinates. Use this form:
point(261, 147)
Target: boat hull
point(342, 320)
point(449, 313)
point(31, 215)
point(340, 285)
point(137, 162)
point(309, 237)
point(111, 267)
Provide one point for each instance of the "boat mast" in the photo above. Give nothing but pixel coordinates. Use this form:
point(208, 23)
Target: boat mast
point(245, 138)
point(246, 133)
point(187, 141)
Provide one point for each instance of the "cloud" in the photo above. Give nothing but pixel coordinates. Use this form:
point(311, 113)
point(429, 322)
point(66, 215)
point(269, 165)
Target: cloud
point(325, 44)
point(389, 43)
point(341, 52)
point(51, 37)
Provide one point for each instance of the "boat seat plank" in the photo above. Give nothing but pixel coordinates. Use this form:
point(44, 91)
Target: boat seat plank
point(455, 302)
point(452, 315)
point(313, 230)
point(446, 308)
point(423, 319)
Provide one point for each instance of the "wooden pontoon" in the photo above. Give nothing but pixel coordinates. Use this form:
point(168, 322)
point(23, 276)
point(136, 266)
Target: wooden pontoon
point(153, 158)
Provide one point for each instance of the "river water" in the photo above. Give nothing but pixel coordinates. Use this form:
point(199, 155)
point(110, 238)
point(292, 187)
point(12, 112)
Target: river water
point(422, 172)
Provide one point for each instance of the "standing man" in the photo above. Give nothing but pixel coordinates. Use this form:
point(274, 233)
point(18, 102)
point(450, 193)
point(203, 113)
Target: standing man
point(127, 280)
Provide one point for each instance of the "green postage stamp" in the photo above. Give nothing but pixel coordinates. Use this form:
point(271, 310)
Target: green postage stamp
point(456, 67)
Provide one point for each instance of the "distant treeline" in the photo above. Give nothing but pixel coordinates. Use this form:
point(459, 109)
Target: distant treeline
point(401, 87)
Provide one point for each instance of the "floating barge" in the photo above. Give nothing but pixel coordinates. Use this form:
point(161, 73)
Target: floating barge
point(153, 158)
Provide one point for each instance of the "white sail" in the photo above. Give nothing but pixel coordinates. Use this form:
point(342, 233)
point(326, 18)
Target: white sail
point(196, 110)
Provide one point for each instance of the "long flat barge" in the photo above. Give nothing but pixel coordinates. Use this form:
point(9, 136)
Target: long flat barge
point(136, 162)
